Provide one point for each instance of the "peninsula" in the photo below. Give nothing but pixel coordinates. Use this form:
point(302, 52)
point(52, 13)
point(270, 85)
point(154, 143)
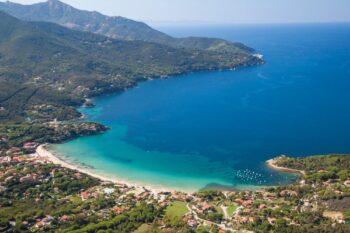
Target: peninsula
point(273, 163)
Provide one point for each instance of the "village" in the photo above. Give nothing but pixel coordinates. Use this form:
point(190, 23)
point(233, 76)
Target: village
point(25, 176)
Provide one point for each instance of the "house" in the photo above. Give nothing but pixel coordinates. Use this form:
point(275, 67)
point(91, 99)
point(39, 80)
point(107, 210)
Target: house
point(246, 211)
point(206, 207)
point(77, 175)
point(19, 159)
point(30, 145)
point(119, 210)
point(64, 218)
point(288, 193)
point(6, 159)
point(239, 201)
point(247, 202)
point(11, 172)
point(347, 183)
point(8, 179)
point(95, 194)
point(243, 220)
point(12, 223)
point(39, 224)
point(207, 224)
point(13, 150)
point(252, 219)
point(163, 204)
point(26, 178)
point(108, 191)
point(192, 223)
point(144, 195)
point(179, 196)
point(85, 195)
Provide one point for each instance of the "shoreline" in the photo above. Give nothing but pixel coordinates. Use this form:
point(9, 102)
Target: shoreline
point(42, 152)
point(47, 155)
point(271, 163)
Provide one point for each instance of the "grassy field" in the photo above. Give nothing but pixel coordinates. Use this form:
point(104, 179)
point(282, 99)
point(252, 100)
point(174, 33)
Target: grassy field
point(231, 209)
point(176, 209)
point(219, 209)
point(144, 228)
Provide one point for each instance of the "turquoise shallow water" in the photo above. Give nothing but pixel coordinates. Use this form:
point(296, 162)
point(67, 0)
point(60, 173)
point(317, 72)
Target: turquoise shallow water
point(216, 129)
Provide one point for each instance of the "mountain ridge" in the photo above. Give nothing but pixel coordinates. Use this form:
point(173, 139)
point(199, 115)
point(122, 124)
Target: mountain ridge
point(116, 27)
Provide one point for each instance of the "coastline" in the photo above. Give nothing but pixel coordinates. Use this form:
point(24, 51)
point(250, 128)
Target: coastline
point(47, 155)
point(44, 153)
point(271, 163)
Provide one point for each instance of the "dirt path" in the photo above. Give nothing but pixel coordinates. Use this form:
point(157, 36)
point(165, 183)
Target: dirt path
point(224, 210)
point(207, 221)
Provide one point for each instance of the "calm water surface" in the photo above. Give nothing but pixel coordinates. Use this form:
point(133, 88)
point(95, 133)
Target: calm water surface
point(217, 128)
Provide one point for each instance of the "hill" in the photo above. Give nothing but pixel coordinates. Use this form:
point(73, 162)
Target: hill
point(115, 27)
point(44, 61)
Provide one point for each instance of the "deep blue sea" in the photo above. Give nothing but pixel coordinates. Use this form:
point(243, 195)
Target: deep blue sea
point(213, 129)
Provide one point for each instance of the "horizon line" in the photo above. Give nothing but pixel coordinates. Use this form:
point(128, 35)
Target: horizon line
point(194, 22)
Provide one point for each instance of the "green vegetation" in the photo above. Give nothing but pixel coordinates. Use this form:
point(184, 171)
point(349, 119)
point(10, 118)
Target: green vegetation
point(46, 72)
point(127, 222)
point(320, 168)
point(114, 27)
point(68, 201)
point(47, 198)
point(231, 209)
point(210, 195)
point(26, 201)
point(47, 69)
point(20, 100)
point(144, 228)
point(176, 209)
point(15, 135)
point(322, 188)
point(347, 215)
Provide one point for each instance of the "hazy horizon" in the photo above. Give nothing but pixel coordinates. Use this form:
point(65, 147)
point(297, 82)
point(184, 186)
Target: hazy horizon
point(218, 11)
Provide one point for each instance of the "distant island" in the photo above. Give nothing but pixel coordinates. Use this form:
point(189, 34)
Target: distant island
point(53, 58)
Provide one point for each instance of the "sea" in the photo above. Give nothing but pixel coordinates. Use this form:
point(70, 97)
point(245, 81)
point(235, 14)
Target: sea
point(215, 130)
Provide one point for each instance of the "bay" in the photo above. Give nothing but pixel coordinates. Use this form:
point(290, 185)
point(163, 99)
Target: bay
point(217, 129)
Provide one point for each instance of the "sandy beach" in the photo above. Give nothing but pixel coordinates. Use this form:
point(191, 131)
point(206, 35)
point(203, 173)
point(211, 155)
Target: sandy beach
point(272, 164)
point(49, 156)
point(43, 152)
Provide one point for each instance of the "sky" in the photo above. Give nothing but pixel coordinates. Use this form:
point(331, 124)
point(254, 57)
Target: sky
point(219, 11)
